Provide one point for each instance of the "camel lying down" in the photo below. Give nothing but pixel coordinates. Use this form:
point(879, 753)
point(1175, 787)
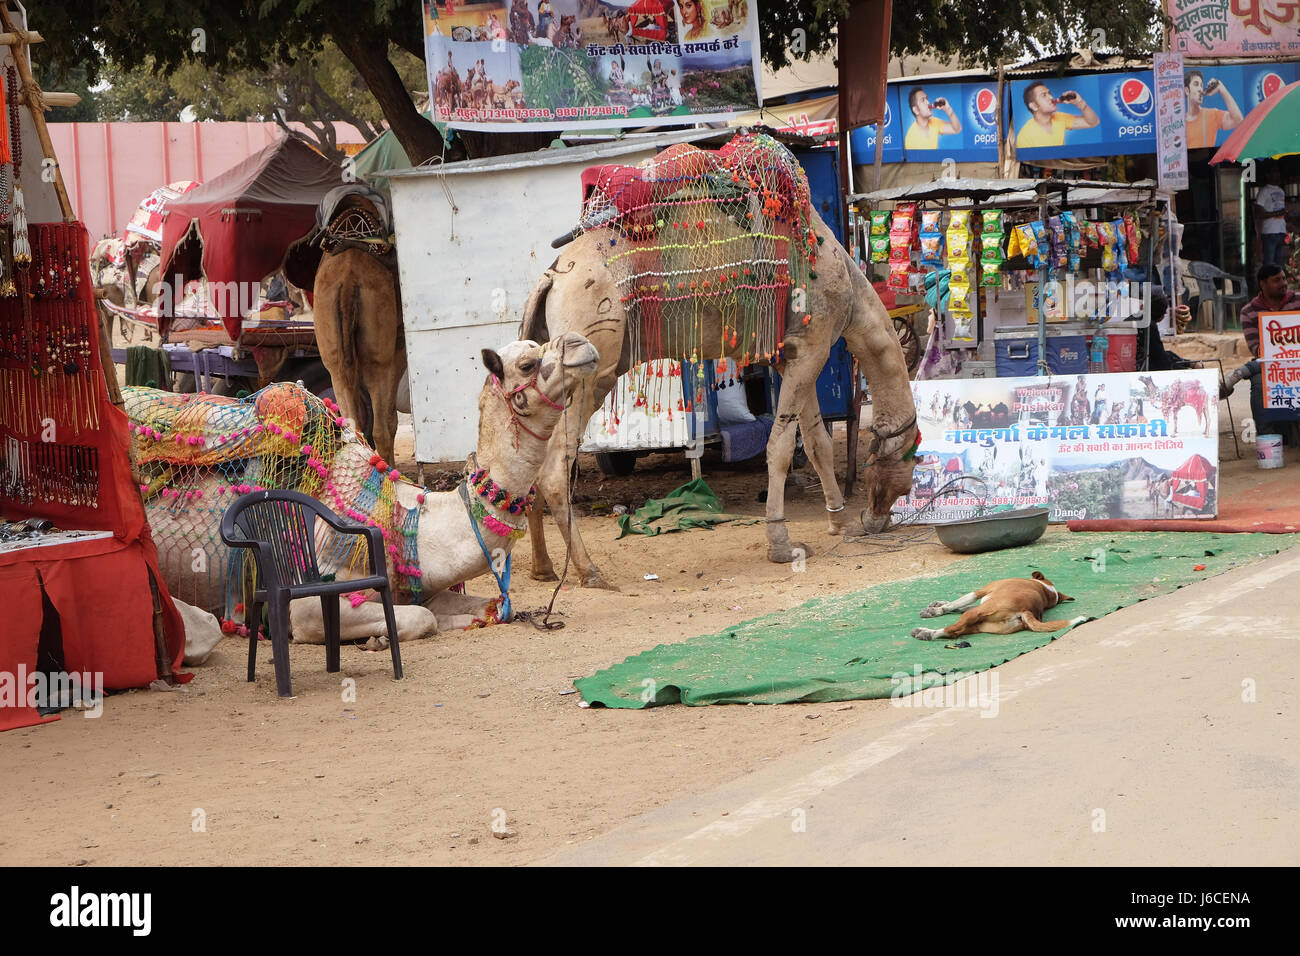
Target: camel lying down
point(523, 400)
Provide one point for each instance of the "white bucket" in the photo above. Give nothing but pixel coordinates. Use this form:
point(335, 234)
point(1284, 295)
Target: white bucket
point(1270, 451)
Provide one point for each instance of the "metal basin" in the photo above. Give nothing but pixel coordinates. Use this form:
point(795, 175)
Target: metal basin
point(1006, 529)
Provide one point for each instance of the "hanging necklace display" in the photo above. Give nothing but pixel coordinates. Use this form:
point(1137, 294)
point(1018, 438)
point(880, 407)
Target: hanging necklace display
point(22, 250)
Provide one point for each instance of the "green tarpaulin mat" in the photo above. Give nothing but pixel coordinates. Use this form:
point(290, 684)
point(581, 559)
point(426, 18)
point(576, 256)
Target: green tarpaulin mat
point(859, 646)
point(693, 505)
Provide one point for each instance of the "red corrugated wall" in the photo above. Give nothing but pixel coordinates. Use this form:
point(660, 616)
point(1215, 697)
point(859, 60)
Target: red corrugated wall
point(110, 167)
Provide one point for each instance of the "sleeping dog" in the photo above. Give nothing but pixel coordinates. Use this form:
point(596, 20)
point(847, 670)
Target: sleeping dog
point(1003, 607)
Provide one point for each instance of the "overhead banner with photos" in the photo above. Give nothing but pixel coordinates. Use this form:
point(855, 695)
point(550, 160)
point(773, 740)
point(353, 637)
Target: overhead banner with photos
point(1125, 445)
point(1234, 27)
point(507, 65)
point(957, 121)
point(1279, 351)
point(1218, 98)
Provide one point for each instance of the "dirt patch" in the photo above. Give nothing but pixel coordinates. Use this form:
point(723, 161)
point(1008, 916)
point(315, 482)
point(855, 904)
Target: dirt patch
point(484, 729)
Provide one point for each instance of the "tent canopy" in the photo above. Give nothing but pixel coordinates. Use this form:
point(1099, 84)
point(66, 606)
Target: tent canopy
point(237, 226)
point(1195, 468)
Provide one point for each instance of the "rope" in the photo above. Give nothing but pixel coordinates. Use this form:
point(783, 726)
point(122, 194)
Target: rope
point(546, 624)
point(503, 580)
point(892, 540)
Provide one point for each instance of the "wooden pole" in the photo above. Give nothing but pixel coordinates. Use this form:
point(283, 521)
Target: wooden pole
point(14, 39)
point(19, 50)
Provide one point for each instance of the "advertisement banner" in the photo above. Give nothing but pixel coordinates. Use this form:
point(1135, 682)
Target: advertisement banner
point(1122, 445)
point(957, 121)
point(1171, 132)
point(1097, 114)
point(1234, 27)
point(506, 65)
point(1217, 99)
point(1279, 351)
point(863, 139)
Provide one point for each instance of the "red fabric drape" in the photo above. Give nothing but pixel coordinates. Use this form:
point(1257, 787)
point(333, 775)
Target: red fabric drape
point(99, 587)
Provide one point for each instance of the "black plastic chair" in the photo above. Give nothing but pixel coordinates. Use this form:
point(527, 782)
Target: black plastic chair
point(277, 526)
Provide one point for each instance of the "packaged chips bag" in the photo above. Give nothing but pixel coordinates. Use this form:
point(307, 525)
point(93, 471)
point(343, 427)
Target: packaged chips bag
point(900, 276)
point(932, 249)
point(931, 220)
point(991, 222)
point(992, 274)
point(880, 248)
point(879, 222)
point(1133, 235)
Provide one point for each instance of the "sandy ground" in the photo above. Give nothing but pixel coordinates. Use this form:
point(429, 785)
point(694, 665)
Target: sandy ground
point(484, 730)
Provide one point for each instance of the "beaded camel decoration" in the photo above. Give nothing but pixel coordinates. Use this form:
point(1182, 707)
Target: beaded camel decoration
point(197, 453)
point(697, 255)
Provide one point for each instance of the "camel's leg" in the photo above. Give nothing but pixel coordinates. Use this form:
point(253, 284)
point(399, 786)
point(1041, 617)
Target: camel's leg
point(553, 483)
point(542, 569)
point(939, 608)
point(457, 611)
point(359, 623)
point(795, 383)
point(821, 452)
point(382, 379)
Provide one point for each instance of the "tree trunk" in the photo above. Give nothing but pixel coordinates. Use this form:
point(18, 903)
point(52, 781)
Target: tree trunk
point(369, 54)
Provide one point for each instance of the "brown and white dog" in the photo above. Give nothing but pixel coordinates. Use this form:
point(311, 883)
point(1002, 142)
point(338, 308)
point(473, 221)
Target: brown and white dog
point(1003, 607)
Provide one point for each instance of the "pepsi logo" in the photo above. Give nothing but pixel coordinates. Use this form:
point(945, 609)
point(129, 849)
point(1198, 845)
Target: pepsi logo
point(1268, 84)
point(889, 117)
point(1133, 99)
point(984, 109)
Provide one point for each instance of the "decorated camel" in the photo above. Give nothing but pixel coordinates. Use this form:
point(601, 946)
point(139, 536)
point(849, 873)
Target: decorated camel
point(197, 453)
point(721, 254)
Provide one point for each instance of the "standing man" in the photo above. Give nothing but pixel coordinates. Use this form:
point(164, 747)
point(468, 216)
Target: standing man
point(1203, 122)
point(925, 130)
point(1274, 296)
point(1270, 217)
point(1047, 125)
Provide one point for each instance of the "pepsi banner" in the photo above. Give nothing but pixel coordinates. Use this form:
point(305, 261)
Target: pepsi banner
point(1093, 115)
point(957, 121)
point(862, 141)
point(1217, 99)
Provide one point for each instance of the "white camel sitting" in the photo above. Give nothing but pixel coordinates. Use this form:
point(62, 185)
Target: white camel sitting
point(191, 472)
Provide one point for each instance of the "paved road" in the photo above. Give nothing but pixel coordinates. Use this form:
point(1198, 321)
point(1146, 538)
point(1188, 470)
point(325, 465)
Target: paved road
point(1164, 734)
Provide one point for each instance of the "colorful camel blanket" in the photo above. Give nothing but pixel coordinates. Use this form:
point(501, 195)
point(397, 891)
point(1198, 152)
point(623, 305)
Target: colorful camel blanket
point(196, 454)
point(730, 229)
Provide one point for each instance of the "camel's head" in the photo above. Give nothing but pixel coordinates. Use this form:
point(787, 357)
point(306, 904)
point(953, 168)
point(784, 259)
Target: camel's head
point(891, 458)
point(538, 380)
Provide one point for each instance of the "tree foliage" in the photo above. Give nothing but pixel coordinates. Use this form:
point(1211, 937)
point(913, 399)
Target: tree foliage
point(265, 36)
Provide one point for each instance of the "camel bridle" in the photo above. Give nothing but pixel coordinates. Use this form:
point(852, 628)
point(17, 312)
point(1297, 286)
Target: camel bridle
point(508, 397)
point(878, 439)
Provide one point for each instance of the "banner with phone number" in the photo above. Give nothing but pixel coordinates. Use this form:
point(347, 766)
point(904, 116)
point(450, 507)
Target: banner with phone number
point(1118, 445)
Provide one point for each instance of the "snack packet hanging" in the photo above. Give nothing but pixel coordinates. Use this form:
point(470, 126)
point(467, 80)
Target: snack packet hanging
point(991, 222)
point(992, 274)
point(958, 245)
point(1134, 236)
point(879, 222)
point(1013, 242)
point(959, 219)
point(880, 248)
point(932, 249)
point(900, 251)
point(991, 249)
point(960, 272)
point(899, 276)
point(931, 220)
point(963, 327)
point(959, 298)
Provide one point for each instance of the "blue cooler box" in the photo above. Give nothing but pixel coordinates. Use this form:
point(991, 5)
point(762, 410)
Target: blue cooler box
point(1016, 350)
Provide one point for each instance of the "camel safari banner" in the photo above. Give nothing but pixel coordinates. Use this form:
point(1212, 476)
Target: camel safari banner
point(1279, 350)
point(500, 65)
point(1126, 445)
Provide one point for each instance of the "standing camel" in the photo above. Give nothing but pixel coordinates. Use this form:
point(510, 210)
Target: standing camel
point(579, 293)
point(357, 309)
point(358, 317)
